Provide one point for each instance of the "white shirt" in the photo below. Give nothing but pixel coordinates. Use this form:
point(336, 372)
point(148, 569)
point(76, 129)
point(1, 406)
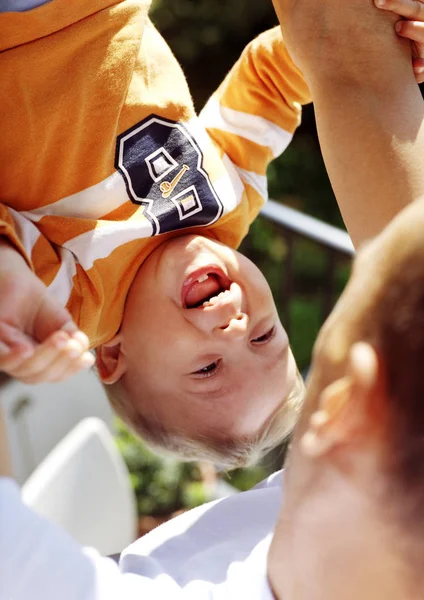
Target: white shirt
point(215, 552)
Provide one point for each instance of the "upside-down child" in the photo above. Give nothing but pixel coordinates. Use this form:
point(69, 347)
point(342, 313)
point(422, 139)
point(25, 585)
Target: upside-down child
point(129, 212)
point(119, 205)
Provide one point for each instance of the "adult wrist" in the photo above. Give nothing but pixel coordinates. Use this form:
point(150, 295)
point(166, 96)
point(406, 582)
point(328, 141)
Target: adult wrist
point(367, 74)
point(350, 46)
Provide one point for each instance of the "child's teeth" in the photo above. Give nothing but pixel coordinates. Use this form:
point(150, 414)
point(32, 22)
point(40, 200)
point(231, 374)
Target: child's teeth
point(215, 299)
point(203, 278)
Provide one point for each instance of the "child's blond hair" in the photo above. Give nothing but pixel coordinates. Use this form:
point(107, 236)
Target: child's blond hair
point(227, 453)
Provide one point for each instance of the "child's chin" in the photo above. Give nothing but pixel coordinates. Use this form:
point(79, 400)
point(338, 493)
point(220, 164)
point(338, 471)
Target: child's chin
point(185, 245)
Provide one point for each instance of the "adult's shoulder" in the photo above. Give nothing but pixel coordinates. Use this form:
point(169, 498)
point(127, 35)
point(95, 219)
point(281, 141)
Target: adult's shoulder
point(209, 542)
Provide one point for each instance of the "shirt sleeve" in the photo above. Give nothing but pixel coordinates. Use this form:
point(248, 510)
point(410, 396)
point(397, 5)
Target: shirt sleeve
point(10, 229)
point(41, 562)
point(255, 111)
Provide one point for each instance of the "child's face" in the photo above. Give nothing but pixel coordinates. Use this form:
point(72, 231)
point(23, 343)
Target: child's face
point(202, 341)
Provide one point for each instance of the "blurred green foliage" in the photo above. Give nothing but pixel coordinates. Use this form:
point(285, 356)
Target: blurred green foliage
point(207, 37)
point(162, 485)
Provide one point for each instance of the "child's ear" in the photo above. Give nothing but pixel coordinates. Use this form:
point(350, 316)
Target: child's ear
point(346, 405)
point(111, 362)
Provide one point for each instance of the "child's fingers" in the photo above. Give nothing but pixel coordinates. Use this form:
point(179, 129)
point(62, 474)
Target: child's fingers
point(12, 337)
point(49, 357)
point(61, 355)
point(11, 357)
point(85, 361)
point(81, 338)
point(15, 347)
point(63, 363)
point(53, 357)
point(63, 367)
point(57, 345)
point(410, 9)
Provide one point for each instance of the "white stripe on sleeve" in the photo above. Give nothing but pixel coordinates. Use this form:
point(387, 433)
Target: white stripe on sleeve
point(258, 182)
point(25, 230)
point(253, 128)
point(91, 246)
point(92, 203)
point(107, 237)
point(61, 286)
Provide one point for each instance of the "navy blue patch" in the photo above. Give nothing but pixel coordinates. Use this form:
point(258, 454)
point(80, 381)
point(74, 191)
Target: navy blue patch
point(161, 164)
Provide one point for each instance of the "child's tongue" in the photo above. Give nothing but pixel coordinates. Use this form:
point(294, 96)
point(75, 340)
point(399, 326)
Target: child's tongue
point(199, 292)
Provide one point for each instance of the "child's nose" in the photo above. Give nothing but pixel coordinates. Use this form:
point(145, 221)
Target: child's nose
point(235, 326)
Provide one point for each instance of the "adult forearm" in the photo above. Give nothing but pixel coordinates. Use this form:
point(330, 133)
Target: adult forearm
point(368, 107)
point(372, 139)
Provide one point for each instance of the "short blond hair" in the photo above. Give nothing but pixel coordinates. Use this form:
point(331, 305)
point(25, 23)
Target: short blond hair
point(228, 453)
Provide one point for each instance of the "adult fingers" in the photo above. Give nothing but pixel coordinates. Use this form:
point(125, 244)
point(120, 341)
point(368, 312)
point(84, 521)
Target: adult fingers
point(418, 64)
point(410, 9)
point(413, 30)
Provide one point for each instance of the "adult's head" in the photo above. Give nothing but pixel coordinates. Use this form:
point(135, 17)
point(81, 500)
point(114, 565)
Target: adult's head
point(352, 523)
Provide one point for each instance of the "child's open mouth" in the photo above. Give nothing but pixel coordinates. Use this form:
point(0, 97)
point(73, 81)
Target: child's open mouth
point(204, 287)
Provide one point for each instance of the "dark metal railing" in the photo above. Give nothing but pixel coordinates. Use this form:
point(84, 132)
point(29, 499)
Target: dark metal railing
point(292, 220)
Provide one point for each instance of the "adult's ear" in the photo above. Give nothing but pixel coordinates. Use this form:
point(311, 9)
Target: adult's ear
point(111, 361)
point(346, 405)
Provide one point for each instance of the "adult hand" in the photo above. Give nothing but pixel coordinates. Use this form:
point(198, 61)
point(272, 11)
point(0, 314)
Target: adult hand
point(38, 340)
point(412, 28)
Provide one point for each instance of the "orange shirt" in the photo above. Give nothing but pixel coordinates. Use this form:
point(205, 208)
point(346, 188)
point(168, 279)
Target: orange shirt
point(102, 153)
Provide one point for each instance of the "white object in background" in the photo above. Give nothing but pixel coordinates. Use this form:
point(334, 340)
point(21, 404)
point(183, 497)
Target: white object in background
point(83, 485)
point(38, 416)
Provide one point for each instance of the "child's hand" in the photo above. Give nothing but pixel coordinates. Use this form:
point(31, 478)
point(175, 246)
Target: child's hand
point(38, 340)
point(411, 28)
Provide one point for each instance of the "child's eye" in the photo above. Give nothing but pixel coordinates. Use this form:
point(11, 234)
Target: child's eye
point(266, 337)
point(209, 370)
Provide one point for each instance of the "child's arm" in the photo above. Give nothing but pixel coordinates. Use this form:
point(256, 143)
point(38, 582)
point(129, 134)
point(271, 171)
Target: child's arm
point(369, 109)
point(255, 111)
point(412, 28)
point(38, 340)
